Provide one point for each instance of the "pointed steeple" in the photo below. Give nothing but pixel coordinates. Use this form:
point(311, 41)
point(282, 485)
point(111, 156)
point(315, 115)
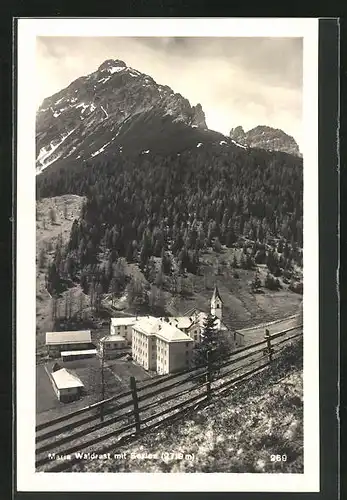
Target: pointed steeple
point(216, 294)
point(216, 303)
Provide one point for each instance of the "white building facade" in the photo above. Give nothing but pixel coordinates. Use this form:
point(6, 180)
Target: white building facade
point(160, 346)
point(165, 344)
point(122, 327)
point(66, 385)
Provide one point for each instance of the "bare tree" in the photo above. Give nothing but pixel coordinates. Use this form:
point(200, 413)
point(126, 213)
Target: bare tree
point(70, 303)
point(42, 258)
point(52, 215)
point(67, 316)
point(65, 210)
point(54, 303)
point(81, 305)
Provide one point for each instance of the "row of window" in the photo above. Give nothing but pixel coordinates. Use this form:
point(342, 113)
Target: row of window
point(139, 350)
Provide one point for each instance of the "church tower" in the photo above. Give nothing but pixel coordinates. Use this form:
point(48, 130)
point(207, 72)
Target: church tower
point(216, 304)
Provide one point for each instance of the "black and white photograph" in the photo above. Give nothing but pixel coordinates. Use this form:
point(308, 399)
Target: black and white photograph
point(169, 272)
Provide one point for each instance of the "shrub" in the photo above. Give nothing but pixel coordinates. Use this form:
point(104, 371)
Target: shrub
point(297, 287)
point(260, 257)
point(256, 283)
point(271, 282)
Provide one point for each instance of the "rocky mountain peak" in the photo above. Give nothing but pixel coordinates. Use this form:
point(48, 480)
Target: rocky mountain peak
point(113, 94)
point(112, 63)
point(265, 137)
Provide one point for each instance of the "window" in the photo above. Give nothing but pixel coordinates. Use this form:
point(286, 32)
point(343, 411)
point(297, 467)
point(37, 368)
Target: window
point(217, 306)
point(125, 328)
point(187, 344)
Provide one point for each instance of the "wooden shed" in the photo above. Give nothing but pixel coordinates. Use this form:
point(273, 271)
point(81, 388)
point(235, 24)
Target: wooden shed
point(66, 385)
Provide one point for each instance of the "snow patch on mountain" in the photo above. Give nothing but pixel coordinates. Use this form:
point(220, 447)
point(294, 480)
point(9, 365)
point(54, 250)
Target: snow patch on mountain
point(82, 105)
point(104, 80)
point(238, 144)
point(100, 150)
point(116, 69)
point(72, 150)
point(44, 153)
point(104, 111)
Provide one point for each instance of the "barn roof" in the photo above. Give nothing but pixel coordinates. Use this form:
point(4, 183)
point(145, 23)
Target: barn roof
point(113, 338)
point(79, 353)
point(64, 379)
point(74, 337)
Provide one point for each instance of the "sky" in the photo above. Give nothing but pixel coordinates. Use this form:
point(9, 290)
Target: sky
point(238, 81)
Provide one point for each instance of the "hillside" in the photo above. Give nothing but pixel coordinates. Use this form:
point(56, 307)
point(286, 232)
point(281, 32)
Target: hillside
point(54, 219)
point(170, 206)
point(239, 433)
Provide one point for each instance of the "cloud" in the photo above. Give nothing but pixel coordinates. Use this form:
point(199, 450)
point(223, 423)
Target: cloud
point(238, 81)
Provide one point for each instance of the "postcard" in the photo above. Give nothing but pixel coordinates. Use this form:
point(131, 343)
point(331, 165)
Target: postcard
point(167, 255)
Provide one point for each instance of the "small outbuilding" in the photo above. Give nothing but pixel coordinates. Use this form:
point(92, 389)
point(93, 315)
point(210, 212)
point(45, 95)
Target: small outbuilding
point(111, 345)
point(72, 355)
point(57, 342)
point(67, 386)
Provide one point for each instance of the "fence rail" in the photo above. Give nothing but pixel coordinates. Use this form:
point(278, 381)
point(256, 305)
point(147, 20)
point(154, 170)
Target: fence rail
point(151, 403)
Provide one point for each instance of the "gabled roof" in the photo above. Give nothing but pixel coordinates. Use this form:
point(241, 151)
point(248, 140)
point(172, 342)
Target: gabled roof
point(171, 333)
point(75, 337)
point(161, 329)
point(180, 321)
point(216, 294)
point(64, 379)
point(124, 321)
point(146, 325)
point(113, 338)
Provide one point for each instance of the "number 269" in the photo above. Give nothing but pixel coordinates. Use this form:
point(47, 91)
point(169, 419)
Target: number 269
point(278, 458)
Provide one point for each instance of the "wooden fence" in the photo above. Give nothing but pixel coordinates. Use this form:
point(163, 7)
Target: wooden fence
point(118, 419)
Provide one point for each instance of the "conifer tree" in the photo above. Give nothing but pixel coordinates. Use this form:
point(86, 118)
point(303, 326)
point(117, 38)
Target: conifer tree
point(212, 347)
point(235, 264)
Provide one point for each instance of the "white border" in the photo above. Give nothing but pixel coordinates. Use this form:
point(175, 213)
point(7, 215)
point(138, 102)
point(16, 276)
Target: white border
point(27, 478)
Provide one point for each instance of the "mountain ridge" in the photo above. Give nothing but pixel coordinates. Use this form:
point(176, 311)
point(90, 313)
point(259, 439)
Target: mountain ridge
point(118, 109)
point(68, 116)
point(266, 137)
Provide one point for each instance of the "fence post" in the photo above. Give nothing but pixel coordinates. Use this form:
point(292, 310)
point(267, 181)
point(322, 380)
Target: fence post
point(209, 375)
point(102, 383)
point(268, 341)
point(136, 404)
